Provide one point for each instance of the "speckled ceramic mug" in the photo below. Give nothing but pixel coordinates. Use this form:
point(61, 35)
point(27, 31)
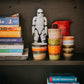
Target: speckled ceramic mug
point(68, 41)
point(54, 33)
point(68, 50)
point(54, 41)
point(67, 55)
point(54, 52)
point(39, 51)
point(54, 57)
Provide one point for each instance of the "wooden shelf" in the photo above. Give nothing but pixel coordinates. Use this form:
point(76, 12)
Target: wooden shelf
point(45, 62)
point(77, 59)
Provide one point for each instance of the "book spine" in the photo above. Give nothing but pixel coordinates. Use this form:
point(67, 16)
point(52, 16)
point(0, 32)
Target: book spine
point(10, 54)
point(25, 53)
point(9, 25)
point(10, 33)
point(11, 46)
point(10, 40)
point(10, 28)
point(11, 50)
point(63, 79)
point(61, 83)
point(9, 21)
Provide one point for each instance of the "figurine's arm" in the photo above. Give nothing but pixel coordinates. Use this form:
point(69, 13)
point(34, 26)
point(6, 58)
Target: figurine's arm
point(45, 25)
point(33, 24)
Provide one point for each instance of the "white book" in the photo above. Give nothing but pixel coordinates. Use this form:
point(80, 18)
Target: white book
point(9, 25)
point(11, 46)
point(10, 54)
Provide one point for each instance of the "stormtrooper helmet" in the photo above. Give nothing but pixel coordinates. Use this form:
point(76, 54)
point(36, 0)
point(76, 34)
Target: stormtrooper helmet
point(39, 12)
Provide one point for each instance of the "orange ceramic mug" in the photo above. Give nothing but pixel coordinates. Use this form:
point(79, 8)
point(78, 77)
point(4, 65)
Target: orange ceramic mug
point(68, 37)
point(54, 49)
point(68, 41)
point(39, 51)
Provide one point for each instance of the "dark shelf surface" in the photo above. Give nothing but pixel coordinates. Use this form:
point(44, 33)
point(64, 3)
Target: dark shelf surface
point(45, 62)
point(77, 59)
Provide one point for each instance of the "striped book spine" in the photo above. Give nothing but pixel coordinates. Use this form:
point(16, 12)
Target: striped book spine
point(10, 28)
point(25, 53)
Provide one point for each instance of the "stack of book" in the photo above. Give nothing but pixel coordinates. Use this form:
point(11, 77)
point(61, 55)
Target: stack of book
point(11, 43)
point(57, 78)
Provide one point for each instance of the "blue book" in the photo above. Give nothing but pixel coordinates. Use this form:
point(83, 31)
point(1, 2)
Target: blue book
point(11, 50)
point(15, 50)
point(12, 20)
point(61, 82)
point(61, 79)
point(10, 40)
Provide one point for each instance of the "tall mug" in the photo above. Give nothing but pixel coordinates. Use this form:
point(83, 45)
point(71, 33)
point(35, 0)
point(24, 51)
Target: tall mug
point(54, 33)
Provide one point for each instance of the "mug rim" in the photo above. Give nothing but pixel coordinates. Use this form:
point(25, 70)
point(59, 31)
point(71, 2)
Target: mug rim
point(39, 43)
point(54, 29)
point(68, 36)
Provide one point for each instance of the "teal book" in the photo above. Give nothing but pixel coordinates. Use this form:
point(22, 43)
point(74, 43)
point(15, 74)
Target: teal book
point(63, 79)
point(48, 82)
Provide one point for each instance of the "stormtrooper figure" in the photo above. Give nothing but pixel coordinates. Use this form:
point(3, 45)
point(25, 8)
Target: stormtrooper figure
point(39, 26)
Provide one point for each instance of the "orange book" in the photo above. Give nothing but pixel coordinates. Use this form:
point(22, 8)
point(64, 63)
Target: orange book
point(10, 33)
point(10, 28)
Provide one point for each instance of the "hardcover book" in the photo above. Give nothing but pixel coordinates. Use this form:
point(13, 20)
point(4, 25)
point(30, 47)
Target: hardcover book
point(61, 82)
point(63, 79)
point(10, 28)
point(10, 40)
point(10, 33)
point(25, 53)
point(10, 20)
point(11, 50)
point(12, 46)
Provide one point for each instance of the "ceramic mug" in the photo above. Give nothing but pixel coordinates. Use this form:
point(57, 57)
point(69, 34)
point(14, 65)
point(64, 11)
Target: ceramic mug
point(54, 41)
point(54, 49)
point(67, 55)
point(54, 52)
point(68, 41)
point(39, 51)
point(54, 33)
point(54, 57)
point(68, 50)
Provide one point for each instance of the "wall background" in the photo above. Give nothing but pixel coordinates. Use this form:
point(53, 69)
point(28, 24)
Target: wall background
point(54, 10)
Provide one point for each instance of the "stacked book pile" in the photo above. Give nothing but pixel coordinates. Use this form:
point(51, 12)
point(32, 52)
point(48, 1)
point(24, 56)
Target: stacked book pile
point(57, 78)
point(11, 44)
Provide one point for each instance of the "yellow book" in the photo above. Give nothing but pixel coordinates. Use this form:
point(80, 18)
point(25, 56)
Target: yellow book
point(10, 33)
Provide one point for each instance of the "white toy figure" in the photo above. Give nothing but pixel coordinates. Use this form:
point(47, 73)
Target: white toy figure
point(39, 26)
